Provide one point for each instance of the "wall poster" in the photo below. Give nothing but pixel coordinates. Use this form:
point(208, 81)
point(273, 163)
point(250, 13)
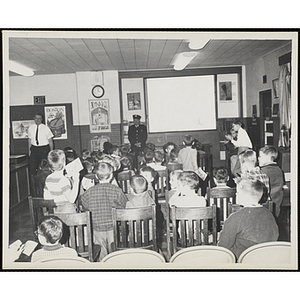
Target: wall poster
point(134, 101)
point(225, 89)
point(99, 112)
point(55, 119)
point(20, 128)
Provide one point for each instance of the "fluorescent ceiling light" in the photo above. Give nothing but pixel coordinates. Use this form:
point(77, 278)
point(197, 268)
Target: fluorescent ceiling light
point(183, 59)
point(19, 69)
point(198, 43)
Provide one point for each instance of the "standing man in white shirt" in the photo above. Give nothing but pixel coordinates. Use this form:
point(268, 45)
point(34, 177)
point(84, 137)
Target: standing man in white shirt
point(243, 143)
point(39, 142)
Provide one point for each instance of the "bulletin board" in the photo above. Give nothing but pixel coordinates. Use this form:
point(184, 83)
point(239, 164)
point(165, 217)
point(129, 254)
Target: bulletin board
point(27, 112)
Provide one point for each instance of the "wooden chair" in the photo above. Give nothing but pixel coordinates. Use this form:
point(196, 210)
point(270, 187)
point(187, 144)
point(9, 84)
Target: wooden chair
point(232, 208)
point(39, 207)
point(123, 179)
point(80, 235)
point(168, 224)
point(221, 197)
point(162, 184)
point(134, 228)
point(205, 255)
point(133, 258)
point(271, 253)
point(194, 226)
point(174, 166)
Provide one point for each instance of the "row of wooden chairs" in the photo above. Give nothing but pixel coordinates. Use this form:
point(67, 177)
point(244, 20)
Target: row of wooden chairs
point(136, 227)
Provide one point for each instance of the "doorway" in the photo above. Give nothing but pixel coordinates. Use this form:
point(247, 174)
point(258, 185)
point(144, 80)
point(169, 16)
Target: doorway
point(266, 122)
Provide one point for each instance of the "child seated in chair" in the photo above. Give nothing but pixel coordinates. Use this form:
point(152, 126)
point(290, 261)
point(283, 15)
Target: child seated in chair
point(150, 176)
point(63, 190)
point(268, 166)
point(99, 200)
point(49, 233)
point(186, 194)
point(43, 172)
point(126, 166)
point(188, 156)
point(248, 161)
point(174, 175)
point(85, 154)
point(220, 177)
point(89, 178)
point(168, 147)
point(139, 195)
point(253, 224)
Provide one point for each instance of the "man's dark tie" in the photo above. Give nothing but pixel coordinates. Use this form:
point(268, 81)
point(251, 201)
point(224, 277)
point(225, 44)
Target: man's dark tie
point(36, 135)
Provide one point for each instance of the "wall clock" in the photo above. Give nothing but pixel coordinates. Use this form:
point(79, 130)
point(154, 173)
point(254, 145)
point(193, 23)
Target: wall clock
point(98, 91)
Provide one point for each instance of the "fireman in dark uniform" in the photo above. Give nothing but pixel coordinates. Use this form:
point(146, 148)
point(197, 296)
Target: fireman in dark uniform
point(137, 135)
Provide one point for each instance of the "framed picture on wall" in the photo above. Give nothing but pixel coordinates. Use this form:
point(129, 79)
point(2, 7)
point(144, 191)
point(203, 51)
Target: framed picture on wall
point(225, 91)
point(20, 128)
point(55, 119)
point(134, 101)
point(276, 88)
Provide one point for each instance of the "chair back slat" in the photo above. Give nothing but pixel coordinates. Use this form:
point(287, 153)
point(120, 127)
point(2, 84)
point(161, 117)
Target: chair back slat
point(198, 231)
point(123, 179)
point(139, 231)
point(146, 234)
point(162, 184)
point(135, 227)
point(195, 225)
point(221, 197)
point(80, 232)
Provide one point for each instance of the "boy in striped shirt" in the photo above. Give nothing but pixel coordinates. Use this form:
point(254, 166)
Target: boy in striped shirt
point(61, 189)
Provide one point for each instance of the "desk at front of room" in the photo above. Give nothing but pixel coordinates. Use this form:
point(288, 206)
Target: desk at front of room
point(19, 185)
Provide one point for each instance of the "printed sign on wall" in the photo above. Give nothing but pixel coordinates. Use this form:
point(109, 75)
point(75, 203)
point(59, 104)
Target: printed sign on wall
point(99, 115)
point(55, 119)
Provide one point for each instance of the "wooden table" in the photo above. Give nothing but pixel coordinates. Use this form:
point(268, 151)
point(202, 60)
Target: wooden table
point(19, 186)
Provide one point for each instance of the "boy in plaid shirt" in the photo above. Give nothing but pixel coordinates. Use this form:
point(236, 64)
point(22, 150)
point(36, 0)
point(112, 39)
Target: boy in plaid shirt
point(99, 200)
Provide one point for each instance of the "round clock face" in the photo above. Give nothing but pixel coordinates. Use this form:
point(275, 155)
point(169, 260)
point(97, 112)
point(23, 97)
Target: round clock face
point(98, 91)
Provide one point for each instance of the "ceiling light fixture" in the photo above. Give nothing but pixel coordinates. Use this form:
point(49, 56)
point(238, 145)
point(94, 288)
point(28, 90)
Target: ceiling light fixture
point(19, 69)
point(198, 43)
point(183, 59)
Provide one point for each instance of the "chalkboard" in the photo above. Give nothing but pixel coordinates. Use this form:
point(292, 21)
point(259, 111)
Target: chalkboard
point(27, 112)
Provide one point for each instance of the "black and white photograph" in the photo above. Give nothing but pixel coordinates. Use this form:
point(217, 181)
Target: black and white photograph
point(200, 180)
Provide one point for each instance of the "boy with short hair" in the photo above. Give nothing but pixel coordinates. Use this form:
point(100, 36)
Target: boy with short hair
point(174, 175)
point(186, 194)
point(99, 200)
point(139, 196)
point(248, 161)
point(220, 176)
point(58, 187)
point(242, 142)
point(50, 231)
point(154, 160)
point(266, 159)
point(253, 224)
point(89, 178)
point(150, 176)
point(188, 156)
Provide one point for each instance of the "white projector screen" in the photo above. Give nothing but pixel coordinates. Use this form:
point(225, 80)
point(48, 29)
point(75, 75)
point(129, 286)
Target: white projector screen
point(181, 103)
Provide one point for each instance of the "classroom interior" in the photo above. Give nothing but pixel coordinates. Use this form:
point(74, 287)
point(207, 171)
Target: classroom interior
point(68, 65)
